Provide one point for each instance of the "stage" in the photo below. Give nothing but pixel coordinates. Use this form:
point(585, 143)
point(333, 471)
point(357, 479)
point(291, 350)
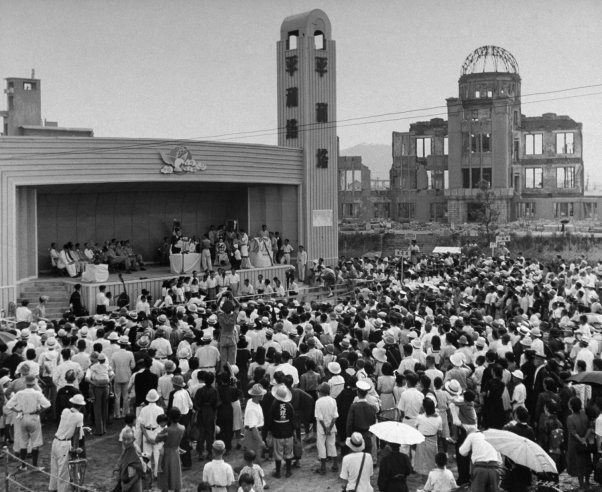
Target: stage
point(152, 280)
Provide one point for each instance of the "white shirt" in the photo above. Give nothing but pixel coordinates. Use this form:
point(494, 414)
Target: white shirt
point(182, 401)
point(481, 450)
point(326, 411)
point(350, 470)
point(519, 395)
point(218, 474)
point(410, 403)
point(162, 346)
point(253, 415)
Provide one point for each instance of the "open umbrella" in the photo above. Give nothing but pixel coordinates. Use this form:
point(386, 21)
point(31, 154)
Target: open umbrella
point(6, 336)
point(587, 377)
point(521, 450)
point(397, 433)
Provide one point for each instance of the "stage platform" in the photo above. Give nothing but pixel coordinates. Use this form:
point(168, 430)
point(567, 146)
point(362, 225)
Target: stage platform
point(152, 280)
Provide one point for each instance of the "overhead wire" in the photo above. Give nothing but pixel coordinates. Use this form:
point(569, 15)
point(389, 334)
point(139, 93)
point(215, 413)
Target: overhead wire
point(301, 128)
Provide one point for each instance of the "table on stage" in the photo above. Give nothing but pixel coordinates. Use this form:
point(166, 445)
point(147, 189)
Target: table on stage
point(185, 263)
point(95, 273)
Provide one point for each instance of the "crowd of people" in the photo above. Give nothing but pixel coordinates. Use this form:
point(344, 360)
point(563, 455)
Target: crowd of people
point(451, 347)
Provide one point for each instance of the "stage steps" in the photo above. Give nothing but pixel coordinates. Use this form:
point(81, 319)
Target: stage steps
point(58, 291)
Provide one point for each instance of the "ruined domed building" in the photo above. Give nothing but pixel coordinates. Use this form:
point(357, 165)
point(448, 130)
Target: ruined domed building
point(533, 166)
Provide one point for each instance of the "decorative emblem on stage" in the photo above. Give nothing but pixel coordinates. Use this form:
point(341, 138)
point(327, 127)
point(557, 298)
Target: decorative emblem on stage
point(179, 160)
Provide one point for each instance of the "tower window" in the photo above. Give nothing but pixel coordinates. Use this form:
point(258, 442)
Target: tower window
point(445, 146)
point(291, 41)
point(29, 86)
point(291, 64)
point(292, 129)
point(321, 65)
point(477, 94)
point(292, 97)
point(322, 112)
point(322, 158)
point(319, 40)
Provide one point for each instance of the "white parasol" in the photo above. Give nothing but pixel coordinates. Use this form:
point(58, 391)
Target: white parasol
point(521, 450)
point(397, 433)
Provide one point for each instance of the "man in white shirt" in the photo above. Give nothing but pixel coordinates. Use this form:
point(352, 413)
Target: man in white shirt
point(410, 401)
point(326, 415)
point(147, 428)
point(287, 368)
point(161, 345)
point(485, 461)
point(217, 473)
point(352, 463)
point(28, 403)
point(519, 393)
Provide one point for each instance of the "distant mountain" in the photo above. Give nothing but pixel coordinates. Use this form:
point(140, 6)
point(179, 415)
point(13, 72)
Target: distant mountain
point(376, 156)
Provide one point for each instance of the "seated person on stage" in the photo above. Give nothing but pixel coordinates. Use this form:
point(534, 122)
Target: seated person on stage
point(127, 247)
point(78, 257)
point(116, 260)
point(121, 250)
point(65, 262)
point(54, 255)
point(89, 252)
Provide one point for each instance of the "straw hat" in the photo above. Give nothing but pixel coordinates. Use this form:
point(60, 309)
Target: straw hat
point(355, 442)
point(282, 393)
point(257, 390)
point(453, 387)
point(379, 354)
point(457, 359)
point(178, 382)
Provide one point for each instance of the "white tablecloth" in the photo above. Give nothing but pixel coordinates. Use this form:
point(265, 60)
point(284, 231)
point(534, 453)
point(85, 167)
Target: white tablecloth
point(95, 273)
point(185, 263)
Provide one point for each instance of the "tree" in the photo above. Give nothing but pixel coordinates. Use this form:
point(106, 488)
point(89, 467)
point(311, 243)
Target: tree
point(487, 212)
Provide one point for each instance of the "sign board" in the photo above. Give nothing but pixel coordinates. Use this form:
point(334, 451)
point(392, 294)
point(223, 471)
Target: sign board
point(493, 245)
point(411, 236)
point(503, 239)
point(322, 218)
point(399, 252)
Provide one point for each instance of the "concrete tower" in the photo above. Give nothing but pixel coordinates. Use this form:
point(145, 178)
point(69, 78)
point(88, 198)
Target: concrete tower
point(24, 104)
point(482, 122)
point(307, 119)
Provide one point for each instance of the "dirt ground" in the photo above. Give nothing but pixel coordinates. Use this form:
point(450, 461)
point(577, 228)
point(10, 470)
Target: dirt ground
point(103, 453)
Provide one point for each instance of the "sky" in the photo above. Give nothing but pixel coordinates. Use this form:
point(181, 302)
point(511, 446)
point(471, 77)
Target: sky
point(198, 69)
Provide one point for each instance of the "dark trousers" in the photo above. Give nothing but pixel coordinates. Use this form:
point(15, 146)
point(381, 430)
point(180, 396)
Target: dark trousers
point(186, 458)
point(463, 462)
point(484, 478)
point(206, 434)
point(101, 408)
